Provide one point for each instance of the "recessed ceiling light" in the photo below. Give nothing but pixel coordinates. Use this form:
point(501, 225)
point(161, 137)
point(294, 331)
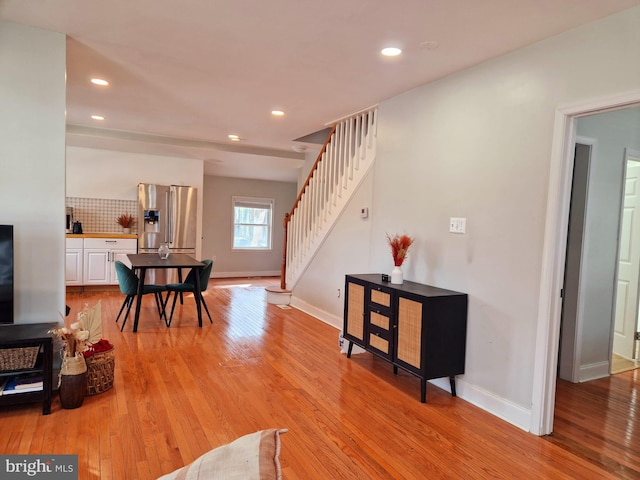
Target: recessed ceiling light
point(234, 138)
point(390, 51)
point(99, 81)
point(277, 113)
point(97, 117)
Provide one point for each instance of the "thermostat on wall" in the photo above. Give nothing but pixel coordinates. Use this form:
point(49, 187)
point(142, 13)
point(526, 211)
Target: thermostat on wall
point(364, 212)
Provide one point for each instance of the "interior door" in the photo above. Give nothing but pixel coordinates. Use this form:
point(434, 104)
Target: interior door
point(628, 263)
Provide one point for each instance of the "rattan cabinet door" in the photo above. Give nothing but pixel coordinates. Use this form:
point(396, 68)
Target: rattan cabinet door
point(354, 323)
point(410, 331)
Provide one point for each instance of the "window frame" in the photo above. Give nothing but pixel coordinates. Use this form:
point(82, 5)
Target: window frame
point(258, 201)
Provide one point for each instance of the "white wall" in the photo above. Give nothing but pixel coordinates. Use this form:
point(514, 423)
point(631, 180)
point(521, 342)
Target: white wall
point(110, 174)
point(346, 250)
point(32, 182)
point(613, 131)
point(218, 193)
point(477, 145)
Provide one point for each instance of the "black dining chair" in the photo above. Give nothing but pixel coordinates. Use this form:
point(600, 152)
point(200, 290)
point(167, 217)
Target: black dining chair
point(128, 282)
point(189, 285)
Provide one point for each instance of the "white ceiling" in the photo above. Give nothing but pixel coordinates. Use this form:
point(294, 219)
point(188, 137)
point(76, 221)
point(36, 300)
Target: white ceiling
point(186, 74)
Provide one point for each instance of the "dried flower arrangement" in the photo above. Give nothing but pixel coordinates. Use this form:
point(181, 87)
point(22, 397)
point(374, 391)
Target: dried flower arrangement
point(399, 247)
point(125, 220)
point(78, 336)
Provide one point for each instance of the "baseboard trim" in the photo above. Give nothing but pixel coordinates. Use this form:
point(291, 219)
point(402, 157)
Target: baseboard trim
point(267, 273)
point(321, 315)
point(495, 405)
point(594, 371)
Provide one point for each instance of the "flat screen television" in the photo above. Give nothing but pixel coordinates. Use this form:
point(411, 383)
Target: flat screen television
point(6, 274)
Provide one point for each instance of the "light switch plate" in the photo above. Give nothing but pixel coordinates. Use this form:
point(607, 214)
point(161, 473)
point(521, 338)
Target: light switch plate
point(457, 225)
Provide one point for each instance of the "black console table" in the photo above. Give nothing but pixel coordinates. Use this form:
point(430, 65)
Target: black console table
point(419, 328)
point(31, 335)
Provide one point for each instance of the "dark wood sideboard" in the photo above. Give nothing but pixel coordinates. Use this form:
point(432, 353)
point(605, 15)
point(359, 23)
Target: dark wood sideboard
point(31, 335)
point(418, 328)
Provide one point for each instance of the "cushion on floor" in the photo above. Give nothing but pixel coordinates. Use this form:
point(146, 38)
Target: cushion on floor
point(252, 457)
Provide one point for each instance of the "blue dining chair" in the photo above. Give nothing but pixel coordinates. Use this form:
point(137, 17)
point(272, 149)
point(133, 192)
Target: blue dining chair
point(189, 285)
point(128, 282)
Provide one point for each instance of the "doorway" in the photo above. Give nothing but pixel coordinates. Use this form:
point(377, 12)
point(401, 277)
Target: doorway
point(626, 324)
point(554, 253)
point(602, 266)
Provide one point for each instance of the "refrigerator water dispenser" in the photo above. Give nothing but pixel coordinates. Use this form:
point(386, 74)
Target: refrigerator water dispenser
point(151, 223)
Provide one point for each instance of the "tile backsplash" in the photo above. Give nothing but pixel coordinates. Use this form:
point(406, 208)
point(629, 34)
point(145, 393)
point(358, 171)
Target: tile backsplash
point(99, 215)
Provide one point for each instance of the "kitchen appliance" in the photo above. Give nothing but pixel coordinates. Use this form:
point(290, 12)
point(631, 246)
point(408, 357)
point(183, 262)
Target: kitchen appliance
point(69, 219)
point(169, 215)
point(77, 227)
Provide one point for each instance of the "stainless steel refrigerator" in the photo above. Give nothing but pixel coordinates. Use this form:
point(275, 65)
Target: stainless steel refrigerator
point(168, 214)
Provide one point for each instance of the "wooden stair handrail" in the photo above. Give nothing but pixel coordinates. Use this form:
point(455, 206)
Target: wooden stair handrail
point(313, 169)
point(287, 217)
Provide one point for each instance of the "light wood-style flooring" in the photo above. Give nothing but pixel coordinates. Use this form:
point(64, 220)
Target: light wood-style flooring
point(184, 390)
point(620, 364)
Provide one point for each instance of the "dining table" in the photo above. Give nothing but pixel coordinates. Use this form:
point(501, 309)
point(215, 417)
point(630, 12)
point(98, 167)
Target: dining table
point(141, 262)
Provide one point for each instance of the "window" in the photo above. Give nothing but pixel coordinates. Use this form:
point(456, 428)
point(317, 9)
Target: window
point(252, 223)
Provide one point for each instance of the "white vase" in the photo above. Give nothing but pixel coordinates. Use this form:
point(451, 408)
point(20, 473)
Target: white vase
point(126, 230)
point(396, 275)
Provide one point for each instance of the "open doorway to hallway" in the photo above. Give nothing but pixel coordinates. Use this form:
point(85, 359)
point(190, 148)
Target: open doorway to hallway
point(602, 268)
point(597, 387)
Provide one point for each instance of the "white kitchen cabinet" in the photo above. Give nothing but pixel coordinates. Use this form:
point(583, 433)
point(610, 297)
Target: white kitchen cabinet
point(100, 255)
point(74, 261)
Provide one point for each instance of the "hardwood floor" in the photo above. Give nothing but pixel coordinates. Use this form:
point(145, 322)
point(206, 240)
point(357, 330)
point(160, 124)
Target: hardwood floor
point(184, 390)
point(600, 421)
point(620, 364)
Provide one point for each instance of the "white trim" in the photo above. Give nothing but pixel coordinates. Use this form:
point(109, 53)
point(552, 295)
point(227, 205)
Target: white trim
point(498, 406)
point(256, 273)
point(575, 370)
point(552, 272)
point(321, 315)
point(594, 371)
point(268, 204)
point(350, 115)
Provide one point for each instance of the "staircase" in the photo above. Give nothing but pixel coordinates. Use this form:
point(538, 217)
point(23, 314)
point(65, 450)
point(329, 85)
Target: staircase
point(342, 164)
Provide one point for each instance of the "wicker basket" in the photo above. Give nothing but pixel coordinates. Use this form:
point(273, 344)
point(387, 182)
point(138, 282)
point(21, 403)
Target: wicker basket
point(18, 358)
point(100, 367)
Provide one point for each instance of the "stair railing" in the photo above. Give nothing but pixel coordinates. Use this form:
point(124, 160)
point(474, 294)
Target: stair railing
point(333, 177)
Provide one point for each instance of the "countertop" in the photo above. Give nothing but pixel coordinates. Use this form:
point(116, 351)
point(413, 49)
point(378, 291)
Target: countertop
point(102, 235)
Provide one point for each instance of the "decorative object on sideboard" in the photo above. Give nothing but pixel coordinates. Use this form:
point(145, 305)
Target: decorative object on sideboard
point(399, 248)
point(126, 221)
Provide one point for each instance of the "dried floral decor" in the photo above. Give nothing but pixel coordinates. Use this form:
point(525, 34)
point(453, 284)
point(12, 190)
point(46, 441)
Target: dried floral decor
point(125, 220)
point(399, 247)
point(78, 336)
